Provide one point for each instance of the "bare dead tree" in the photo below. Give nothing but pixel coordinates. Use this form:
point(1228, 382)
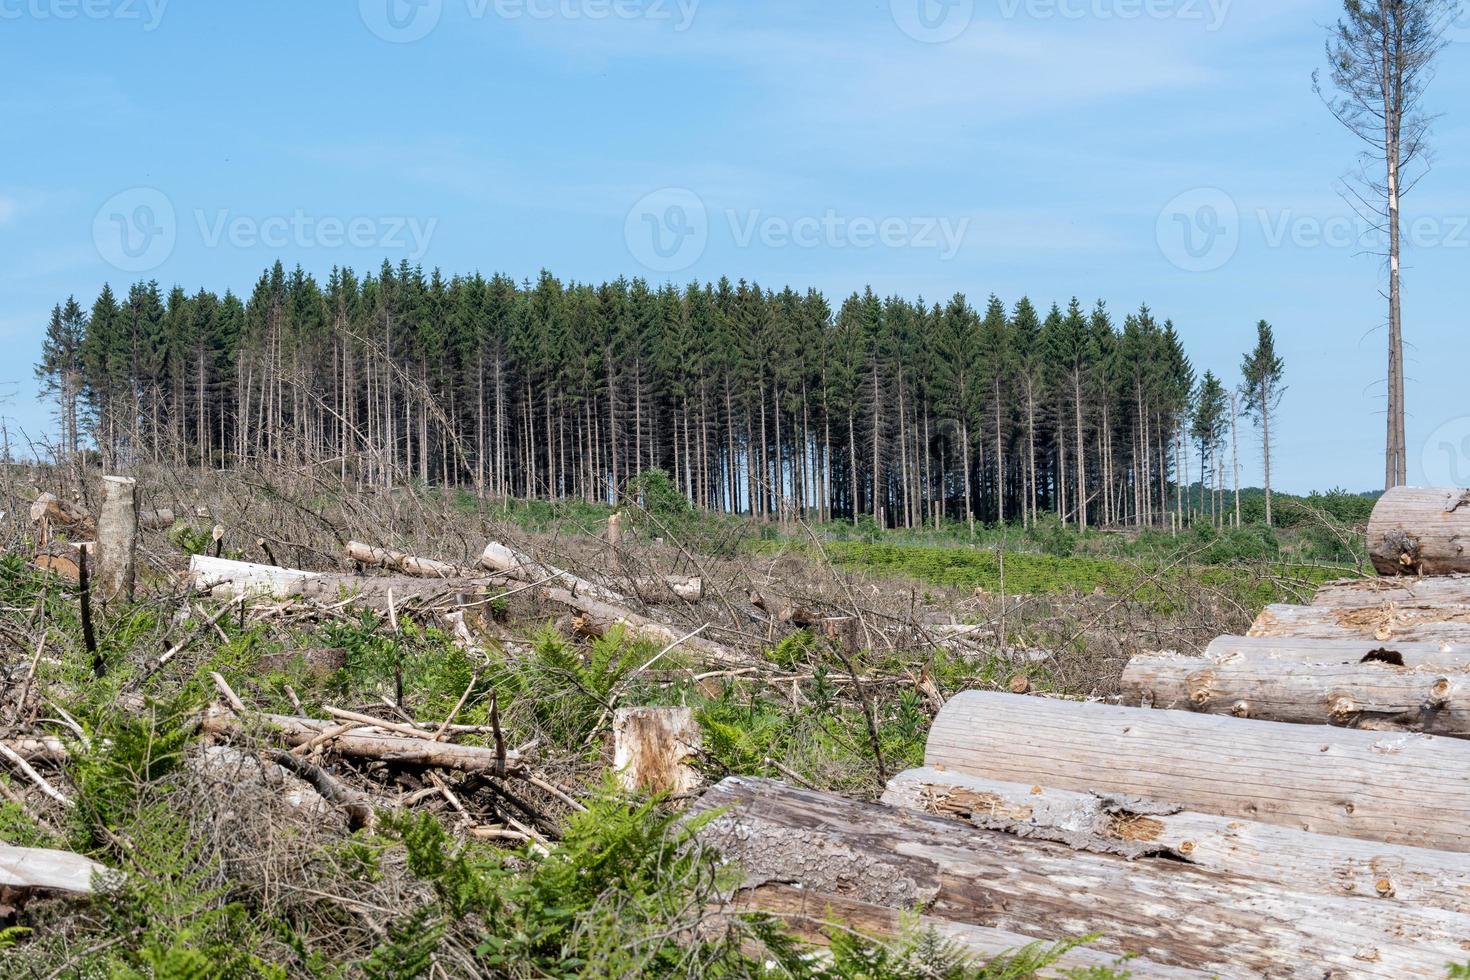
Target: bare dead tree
point(1381, 57)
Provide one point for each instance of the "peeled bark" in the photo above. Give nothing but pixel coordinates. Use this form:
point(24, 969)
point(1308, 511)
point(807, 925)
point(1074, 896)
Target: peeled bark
point(1348, 683)
point(1396, 788)
point(1421, 531)
point(117, 539)
point(34, 868)
point(402, 563)
point(1386, 623)
point(1164, 911)
point(400, 750)
point(1142, 829)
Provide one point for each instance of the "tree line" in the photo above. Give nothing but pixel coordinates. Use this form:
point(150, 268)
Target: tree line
point(758, 402)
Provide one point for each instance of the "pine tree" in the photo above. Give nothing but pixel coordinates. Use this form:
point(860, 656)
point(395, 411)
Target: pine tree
point(1262, 371)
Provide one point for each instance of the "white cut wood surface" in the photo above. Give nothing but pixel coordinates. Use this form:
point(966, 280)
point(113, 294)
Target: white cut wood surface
point(47, 870)
point(1387, 623)
point(1396, 787)
point(1421, 531)
point(1166, 912)
point(1144, 829)
point(1350, 683)
point(652, 749)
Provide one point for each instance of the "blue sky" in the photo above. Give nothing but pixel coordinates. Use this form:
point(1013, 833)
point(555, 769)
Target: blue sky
point(1039, 147)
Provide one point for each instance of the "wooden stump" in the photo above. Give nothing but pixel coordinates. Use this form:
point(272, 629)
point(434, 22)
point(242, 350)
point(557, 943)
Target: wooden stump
point(117, 538)
point(652, 748)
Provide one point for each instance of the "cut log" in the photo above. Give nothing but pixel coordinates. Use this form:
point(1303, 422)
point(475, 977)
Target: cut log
point(400, 750)
point(34, 868)
point(223, 578)
point(683, 587)
point(1140, 829)
point(117, 538)
point(60, 559)
point(63, 514)
point(1348, 683)
point(1164, 911)
point(157, 520)
point(1364, 593)
point(595, 618)
point(48, 749)
point(402, 563)
point(1387, 623)
point(521, 567)
point(652, 749)
point(811, 917)
point(1421, 531)
point(1397, 788)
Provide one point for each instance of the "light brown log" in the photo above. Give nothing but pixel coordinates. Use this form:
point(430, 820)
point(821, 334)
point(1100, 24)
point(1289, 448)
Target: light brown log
point(34, 868)
point(1348, 683)
point(117, 538)
point(596, 618)
point(1143, 829)
point(521, 567)
point(811, 917)
point(683, 587)
point(63, 514)
point(1365, 593)
point(157, 520)
point(652, 749)
point(1421, 531)
point(47, 749)
point(399, 750)
point(1387, 623)
point(1398, 788)
point(404, 564)
point(1164, 911)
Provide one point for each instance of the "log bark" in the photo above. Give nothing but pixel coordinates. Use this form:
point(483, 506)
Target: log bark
point(157, 520)
point(34, 868)
point(117, 538)
point(1421, 531)
point(1366, 593)
point(595, 618)
point(400, 750)
point(1397, 788)
point(47, 749)
point(1386, 623)
point(1347, 683)
point(401, 563)
point(1142, 829)
point(652, 749)
point(1164, 911)
point(685, 588)
point(521, 567)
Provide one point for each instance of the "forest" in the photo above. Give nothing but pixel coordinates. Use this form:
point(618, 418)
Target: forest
point(771, 404)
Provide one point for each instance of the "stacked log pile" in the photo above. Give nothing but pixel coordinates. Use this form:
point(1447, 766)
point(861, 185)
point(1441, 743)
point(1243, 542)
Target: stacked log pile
point(1290, 803)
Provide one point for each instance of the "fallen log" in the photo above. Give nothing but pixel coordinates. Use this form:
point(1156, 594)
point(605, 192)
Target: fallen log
point(401, 750)
point(1387, 623)
point(227, 579)
point(39, 869)
point(521, 567)
point(1166, 912)
point(595, 618)
point(52, 512)
point(683, 587)
point(404, 564)
point(1366, 593)
point(811, 917)
point(1420, 531)
point(1397, 788)
point(1100, 823)
point(1347, 683)
point(48, 749)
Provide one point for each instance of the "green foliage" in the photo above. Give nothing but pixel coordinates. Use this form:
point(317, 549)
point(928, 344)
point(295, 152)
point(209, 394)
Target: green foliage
point(561, 690)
